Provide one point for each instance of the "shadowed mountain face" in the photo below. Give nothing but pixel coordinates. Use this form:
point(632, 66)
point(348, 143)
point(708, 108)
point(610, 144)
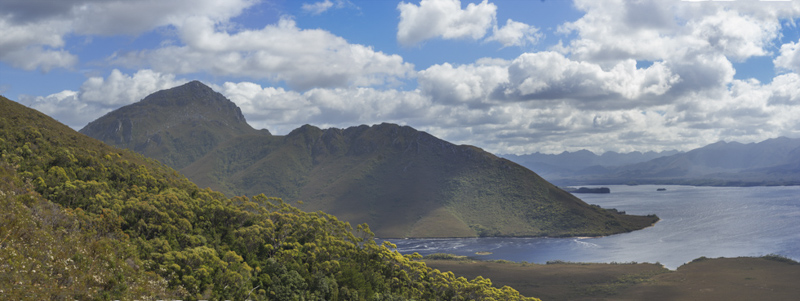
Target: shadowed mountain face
point(402, 182)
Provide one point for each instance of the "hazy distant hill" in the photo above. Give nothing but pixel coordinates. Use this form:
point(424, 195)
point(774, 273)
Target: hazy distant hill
point(583, 162)
point(770, 162)
point(402, 182)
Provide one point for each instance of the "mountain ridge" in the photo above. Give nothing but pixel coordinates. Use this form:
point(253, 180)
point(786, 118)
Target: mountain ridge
point(403, 182)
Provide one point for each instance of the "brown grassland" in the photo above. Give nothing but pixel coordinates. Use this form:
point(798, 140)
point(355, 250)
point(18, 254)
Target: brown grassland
point(744, 278)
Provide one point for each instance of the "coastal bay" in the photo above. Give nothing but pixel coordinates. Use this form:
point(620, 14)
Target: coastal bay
point(695, 222)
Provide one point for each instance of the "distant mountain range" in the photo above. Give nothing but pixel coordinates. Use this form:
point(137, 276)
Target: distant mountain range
point(582, 162)
point(770, 162)
point(402, 182)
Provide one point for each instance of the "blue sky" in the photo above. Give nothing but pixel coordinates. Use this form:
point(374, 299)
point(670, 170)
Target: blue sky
point(507, 76)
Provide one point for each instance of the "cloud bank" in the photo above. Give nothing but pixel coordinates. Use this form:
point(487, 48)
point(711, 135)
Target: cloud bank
point(280, 52)
point(632, 76)
point(33, 33)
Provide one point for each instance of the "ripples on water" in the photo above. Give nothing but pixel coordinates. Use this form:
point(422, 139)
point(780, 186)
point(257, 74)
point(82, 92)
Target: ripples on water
point(695, 222)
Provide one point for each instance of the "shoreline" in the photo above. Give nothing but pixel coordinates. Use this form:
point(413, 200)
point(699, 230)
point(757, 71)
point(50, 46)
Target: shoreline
point(472, 259)
point(467, 237)
point(667, 183)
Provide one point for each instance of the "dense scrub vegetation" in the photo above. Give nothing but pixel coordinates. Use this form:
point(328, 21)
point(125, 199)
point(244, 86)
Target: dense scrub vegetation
point(86, 221)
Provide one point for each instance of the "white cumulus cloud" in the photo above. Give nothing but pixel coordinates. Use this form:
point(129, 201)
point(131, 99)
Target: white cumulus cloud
point(789, 58)
point(33, 32)
point(661, 30)
point(34, 46)
point(281, 111)
point(630, 75)
point(550, 75)
point(317, 8)
point(303, 58)
point(445, 19)
point(515, 34)
point(98, 96)
point(470, 84)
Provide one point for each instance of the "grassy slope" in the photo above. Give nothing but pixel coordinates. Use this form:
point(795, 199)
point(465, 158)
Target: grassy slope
point(710, 279)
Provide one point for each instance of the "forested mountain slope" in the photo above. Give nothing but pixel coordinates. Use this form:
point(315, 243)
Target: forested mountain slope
point(83, 220)
point(402, 182)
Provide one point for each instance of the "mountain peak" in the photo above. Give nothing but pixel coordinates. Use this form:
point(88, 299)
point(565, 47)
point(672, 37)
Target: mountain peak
point(196, 87)
point(193, 94)
point(167, 120)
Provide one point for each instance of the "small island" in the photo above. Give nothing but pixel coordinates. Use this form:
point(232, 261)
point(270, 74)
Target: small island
point(587, 190)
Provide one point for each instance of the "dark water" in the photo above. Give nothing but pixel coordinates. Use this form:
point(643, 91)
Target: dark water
point(695, 221)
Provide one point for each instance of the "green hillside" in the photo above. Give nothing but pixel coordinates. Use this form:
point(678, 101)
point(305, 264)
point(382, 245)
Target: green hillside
point(86, 221)
point(402, 182)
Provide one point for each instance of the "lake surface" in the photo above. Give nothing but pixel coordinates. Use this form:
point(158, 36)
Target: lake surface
point(695, 221)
